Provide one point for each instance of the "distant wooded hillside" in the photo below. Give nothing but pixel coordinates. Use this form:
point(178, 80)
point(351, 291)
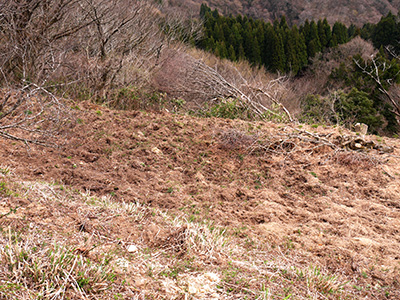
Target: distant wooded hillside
point(356, 12)
point(276, 46)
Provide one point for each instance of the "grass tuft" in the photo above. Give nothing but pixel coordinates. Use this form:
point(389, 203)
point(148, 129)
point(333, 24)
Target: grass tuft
point(33, 269)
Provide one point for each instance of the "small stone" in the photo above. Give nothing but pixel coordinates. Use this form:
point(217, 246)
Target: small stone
point(361, 128)
point(132, 248)
point(386, 149)
point(212, 277)
point(358, 145)
point(156, 151)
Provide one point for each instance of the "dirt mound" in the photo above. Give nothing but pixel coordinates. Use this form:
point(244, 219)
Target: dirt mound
point(287, 187)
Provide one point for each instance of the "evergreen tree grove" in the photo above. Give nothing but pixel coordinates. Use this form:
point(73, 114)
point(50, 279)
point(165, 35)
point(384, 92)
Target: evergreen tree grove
point(277, 46)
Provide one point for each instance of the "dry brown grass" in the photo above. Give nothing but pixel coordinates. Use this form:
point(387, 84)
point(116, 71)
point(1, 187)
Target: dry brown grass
point(356, 160)
point(204, 80)
point(60, 253)
point(201, 221)
point(235, 139)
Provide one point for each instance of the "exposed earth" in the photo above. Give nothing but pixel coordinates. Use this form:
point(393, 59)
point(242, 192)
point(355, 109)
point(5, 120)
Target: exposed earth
point(179, 207)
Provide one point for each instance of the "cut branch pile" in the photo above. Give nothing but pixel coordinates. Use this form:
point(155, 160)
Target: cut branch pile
point(205, 84)
point(340, 148)
point(212, 82)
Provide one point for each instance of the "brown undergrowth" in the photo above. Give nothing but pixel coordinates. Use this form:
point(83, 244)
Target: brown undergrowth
point(142, 205)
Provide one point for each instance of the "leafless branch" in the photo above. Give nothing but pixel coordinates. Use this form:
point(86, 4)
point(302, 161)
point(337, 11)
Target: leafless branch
point(198, 83)
point(32, 115)
point(373, 72)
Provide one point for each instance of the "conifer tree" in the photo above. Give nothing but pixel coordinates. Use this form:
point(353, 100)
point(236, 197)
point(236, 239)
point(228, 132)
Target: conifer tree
point(314, 44)
point(226, 29)
point(248, 39)
point(340, 31)
point(241, 54)
point(274, 51)
point(292, 62)
point(255, 56)
point(266, 55)
point(300, 47)
point(305, 30)
point(351, 31)
point(322, 34)
point(277, 25)
point(236, 36)
point(215, 14)
point(312, 48)
point(328, 32)
point(221, 50)
point(239, 19)
point(386, 32)
point(203, 10)
point(334, 41)
point(218, 33)
point(231, 53)
point(283, 24)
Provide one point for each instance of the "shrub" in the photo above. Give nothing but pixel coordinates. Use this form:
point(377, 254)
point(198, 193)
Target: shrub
point(316, 109)
point(357, 107)
point(227, 109)
point(347, 109)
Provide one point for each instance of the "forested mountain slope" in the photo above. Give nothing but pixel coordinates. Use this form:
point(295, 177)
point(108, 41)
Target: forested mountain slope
point(357, 12)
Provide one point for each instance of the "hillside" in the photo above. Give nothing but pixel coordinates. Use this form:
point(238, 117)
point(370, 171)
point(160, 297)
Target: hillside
point(153, 205)
point(357, 12)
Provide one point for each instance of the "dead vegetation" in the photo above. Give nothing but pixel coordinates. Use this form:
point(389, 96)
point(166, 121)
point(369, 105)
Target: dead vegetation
point(351, 150)
point(110, 52)
point(140, 204)
point(203, 81)
point(357, 160)
point(148, 253)
point(169, 206)
point(32, 115)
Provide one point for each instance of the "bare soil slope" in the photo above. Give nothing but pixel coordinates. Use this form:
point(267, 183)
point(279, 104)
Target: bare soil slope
point(297, 215)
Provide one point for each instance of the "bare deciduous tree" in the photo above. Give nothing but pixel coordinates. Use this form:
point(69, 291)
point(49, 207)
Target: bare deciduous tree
point(31, 36)
point(32, 115)
point(386, 86)
point(73, 45)
point(30, 52)
point(40, 39)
